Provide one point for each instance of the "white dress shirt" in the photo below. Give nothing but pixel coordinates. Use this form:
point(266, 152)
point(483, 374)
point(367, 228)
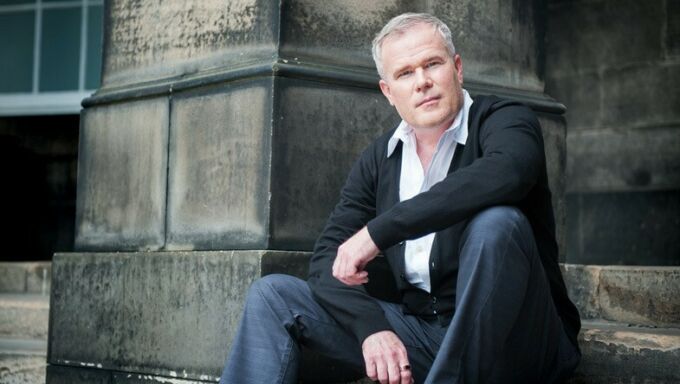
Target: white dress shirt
point(414, 180)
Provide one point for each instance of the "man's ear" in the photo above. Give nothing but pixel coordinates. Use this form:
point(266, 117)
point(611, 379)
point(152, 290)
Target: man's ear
point(386, 91)
point(458, 63)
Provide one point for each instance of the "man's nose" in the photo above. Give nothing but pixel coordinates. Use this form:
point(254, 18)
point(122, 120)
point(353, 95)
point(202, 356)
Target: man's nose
point(423, 80)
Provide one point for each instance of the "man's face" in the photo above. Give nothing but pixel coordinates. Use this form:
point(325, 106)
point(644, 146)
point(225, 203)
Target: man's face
point(422, 81)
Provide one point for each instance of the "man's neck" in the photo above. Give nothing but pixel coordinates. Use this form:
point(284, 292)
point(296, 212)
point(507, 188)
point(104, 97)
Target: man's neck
point(427, 140)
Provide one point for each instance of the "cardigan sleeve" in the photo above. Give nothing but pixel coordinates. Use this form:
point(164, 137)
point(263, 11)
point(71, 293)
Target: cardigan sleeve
point(351, 306)
point(511, 160)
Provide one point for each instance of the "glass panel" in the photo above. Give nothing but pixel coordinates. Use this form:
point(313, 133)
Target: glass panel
point(16, 45)
point(93, 62)
point(60, 50)
point(13, 2)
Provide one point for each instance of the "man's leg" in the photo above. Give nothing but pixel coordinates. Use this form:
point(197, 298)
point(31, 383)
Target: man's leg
point(505, 328)
point(280, 313)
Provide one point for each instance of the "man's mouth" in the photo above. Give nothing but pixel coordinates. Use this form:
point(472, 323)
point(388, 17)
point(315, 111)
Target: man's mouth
point(427, 100)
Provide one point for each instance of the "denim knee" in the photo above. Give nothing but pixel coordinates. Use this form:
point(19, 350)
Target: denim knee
point(267, 288)
point(497, 224)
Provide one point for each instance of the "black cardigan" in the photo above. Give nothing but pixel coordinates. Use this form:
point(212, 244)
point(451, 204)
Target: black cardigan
point(502, 163)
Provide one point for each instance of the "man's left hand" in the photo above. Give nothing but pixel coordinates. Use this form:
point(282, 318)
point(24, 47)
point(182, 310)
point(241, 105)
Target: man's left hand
point(352, 257)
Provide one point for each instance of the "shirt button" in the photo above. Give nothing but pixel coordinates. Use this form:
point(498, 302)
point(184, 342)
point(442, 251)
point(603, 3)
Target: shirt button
point(434, 300)
point(434, 312)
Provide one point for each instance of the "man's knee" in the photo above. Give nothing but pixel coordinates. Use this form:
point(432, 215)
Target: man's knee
point(269, 288)
point(496, 225)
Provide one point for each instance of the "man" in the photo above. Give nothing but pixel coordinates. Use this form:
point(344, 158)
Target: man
point(457, 200)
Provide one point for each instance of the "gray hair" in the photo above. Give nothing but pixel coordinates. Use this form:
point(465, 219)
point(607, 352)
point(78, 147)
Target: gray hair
point(402, 23)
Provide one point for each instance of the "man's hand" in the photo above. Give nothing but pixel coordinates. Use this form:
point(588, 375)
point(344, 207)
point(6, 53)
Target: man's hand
point(386, 359)
point(352, 257)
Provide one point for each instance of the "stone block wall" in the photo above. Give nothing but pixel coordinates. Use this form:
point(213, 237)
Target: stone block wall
point(199, 140)
point(616, 66)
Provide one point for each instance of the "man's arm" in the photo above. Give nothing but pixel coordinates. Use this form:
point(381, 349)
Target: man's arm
point(351, 306)
point(512, 162)
point(347, 301)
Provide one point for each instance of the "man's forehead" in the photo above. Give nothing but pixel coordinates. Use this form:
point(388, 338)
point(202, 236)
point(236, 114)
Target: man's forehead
point(421, 47)
point(405, 32)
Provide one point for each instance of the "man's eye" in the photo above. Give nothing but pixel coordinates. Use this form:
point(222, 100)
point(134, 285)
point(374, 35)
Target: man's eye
point(432, 64)
point(403, 74)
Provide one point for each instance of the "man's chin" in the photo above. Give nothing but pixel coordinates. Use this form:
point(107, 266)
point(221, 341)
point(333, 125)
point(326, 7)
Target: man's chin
point(434, 122)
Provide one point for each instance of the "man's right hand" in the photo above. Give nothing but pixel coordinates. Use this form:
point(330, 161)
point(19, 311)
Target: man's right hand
point(386, 359)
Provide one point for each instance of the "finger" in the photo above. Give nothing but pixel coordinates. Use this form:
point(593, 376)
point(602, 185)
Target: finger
point(406, 374)
point(336, 264)
point(356, 279)
point(393, 372)
point(371, 371)
point(383, 375)
point(342, 265)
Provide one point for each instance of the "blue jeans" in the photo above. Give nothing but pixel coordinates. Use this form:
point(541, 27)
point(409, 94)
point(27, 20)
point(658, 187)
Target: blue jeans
point(505, 328)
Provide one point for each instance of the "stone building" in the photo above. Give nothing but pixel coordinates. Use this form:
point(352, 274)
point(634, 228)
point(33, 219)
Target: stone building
point(221, 132)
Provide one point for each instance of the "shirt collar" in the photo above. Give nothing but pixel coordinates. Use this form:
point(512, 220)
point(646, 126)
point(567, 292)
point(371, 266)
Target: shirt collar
point(459, 127)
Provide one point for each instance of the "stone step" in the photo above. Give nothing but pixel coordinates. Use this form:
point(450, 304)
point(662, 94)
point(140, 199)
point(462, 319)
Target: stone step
point(640, 295)
point(22, 361)
point(623, 354)
point(24, 316)
point(25, 277)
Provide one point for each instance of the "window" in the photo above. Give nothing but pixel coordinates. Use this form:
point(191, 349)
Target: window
point(51, 55)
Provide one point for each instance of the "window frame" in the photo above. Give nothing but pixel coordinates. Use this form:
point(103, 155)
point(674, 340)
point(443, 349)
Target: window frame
point(49, 102)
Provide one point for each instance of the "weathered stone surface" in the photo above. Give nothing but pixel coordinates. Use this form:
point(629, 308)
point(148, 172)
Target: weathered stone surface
point(598, 34)
point(614, 353)
point(634, 228)
point(25, 277)
point(81, 375)
point(581, 93)
point(219, 191)
point(632, 96)
point(73, 375)
point(317, 124)
point(162, 313)
point(246, 137)
point(21, 369)
point(309, 27)
point(615, 160)
point(12, 277)
point(611, 63)
point(637, 95)
point(146, 41)
point(672, 29)
point(24, 315)
point(647, 296)
point(501, 42)
point(554, 141)
point(122, 168)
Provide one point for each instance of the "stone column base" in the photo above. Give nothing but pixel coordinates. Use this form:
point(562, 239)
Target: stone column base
point(154, 316)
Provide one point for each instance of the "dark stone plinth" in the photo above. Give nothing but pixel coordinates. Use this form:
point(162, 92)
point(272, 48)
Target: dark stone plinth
point(122, 168)
point(134, 316)
point(630, 228)
point(248, 173)
point(171, 314)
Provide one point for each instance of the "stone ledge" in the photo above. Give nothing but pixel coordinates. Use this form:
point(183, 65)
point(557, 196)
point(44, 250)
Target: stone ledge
point(23, 347)
point(25, 277)
point(648, 296)
point(24, 315)
point(617, 353)
point(160, 327)
point(19, 369)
